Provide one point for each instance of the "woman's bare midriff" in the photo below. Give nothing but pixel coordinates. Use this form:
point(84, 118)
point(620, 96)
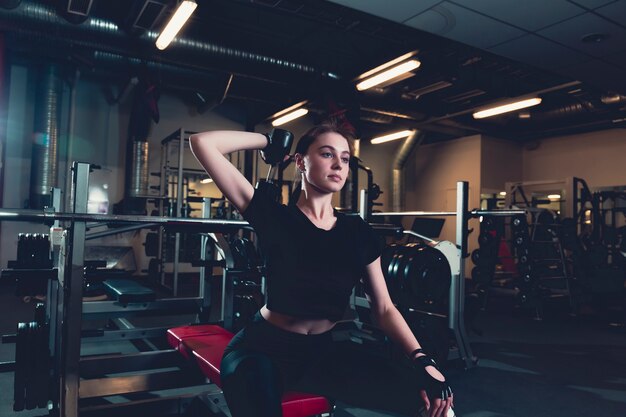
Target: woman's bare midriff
point(296, 324)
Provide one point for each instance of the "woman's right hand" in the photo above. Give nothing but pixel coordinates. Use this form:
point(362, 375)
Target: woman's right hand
point(279, 143)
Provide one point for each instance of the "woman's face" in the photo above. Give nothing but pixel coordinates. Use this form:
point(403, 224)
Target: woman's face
point(326, 163)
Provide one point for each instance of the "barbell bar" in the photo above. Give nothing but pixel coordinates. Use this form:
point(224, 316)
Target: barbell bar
point(44, 216)
point(472, 213)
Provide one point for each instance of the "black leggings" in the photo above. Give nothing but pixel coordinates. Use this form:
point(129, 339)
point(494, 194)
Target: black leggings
point(263, 361)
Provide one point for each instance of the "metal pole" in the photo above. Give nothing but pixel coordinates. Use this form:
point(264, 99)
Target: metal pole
point(363, 205)
point(40, 216)
point(205, 290)
point(417, 213)
point(179, 205)
point(457, 287)
point(164, 194)
point(228, 290)
point(73, 300)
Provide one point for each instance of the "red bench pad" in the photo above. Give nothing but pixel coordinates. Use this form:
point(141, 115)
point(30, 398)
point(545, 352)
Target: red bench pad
point(177, 335)
point(206, 343)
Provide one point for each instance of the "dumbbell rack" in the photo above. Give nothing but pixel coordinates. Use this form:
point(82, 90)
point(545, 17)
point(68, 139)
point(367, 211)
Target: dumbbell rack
point(551, 271)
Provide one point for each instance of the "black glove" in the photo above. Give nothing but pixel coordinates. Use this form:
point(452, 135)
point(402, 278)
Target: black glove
point(279, 143)
point(434, 388)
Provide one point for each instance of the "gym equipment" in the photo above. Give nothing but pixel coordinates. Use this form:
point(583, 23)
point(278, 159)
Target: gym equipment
point(454, 254)
point(33, 266)
point(205, 344)
point(417, 275)
point(65, 321)
point(128, 291)
point(32, 370)
point(279, 142)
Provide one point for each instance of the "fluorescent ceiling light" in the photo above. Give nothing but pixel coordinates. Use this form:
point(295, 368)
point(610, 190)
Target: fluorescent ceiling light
point(554, 196)
point(206, 180)
point(289, 116)
point(388, 74)
point(502, 193)
point(505, 108)
point(178, 19)
point(392, 136)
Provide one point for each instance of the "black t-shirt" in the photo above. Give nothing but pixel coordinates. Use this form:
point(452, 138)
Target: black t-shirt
point(310, 271)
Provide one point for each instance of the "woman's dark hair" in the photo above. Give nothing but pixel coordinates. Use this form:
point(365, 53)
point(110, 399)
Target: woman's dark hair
point(309, 137)
point(305, 142)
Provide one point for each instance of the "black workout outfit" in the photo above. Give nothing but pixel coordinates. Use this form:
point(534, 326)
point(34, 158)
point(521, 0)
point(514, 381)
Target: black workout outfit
point(311, 273)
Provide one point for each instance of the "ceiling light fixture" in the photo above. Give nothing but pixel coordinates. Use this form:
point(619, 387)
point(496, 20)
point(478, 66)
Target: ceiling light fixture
point(289, 114)
point(394, 70)
point(506, 107)
point(176, 22)
point(206, 180)
point(392, 136)
point(554, 196)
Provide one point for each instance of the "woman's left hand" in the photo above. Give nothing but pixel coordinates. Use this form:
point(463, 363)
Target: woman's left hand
point(437, 395)
point(436, 407)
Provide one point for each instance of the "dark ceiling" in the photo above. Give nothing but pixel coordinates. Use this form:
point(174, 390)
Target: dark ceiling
point(282, 52)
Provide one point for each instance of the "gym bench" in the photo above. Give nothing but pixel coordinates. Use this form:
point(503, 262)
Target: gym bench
point(205, 344)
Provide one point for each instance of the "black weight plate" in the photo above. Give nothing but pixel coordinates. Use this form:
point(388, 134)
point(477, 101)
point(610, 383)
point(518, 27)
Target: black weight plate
point(385, 259)
point(42, 367)
point(482, 274)
point(394, 285)
point(430, 277)
point(485, 239)
point(404, 255)
point(524, 259)
point(253, 256)
point(519, 223)
point(527, 278)
point(153, 269)
point(30, 401)
point(520, 240)
point(439, 282)
point(476, 256)
point(487, 224)
point(21, 363)
point(476, 274)
point(238, 250)
point(151, 246)
point(406, 297)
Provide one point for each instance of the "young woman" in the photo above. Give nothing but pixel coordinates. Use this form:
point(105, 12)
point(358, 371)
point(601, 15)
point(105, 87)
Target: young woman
point(314, 257)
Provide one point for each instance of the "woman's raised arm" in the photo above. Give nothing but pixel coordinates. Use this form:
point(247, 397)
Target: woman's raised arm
point(210, 147)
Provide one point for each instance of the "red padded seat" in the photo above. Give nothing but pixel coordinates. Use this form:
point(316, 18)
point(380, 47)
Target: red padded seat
point(206, 343)
point(177, 335)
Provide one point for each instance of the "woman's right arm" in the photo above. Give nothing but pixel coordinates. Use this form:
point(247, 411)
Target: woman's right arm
point(210, 147)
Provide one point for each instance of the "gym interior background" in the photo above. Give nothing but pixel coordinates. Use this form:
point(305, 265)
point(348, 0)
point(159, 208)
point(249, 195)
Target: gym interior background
point(83, 81)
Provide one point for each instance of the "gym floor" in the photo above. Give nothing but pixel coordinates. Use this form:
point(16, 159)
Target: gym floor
point(557, 367)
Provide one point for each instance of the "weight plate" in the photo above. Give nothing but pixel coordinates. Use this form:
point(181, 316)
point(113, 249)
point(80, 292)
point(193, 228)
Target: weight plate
point(485, 239)
point(21, 360)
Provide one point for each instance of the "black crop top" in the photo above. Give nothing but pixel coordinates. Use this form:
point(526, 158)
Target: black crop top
point(310, 271)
